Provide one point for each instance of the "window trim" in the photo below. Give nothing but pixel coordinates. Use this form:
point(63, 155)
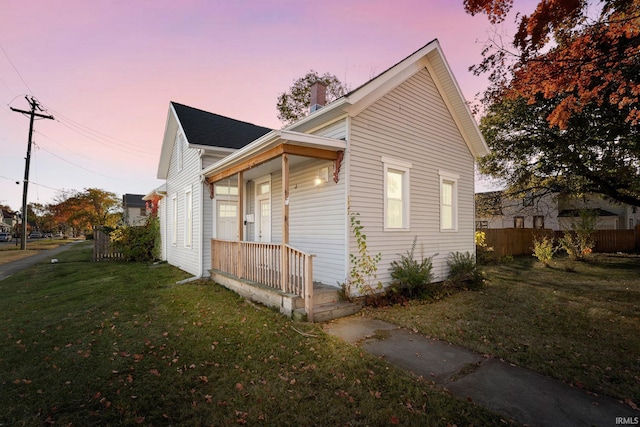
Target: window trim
point(452, 178)
point(515, 221)
point(174, 223)
point(188, 218)
point(535, 217)
point(405, 169)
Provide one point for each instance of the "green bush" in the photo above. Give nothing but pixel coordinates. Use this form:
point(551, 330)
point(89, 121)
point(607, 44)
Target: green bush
point(138, 243)
point(578, 240)
point(411, 278)
point(464, 272)
point(543, 249)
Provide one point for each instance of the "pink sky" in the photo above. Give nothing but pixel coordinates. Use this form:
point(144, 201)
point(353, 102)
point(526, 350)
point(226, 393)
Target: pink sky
point(107, 70)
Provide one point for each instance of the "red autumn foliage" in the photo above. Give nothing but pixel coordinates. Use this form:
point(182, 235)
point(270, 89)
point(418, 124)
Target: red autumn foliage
point(564, 52)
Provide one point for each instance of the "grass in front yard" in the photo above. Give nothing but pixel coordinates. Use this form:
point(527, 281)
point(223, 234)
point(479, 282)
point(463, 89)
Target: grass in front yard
point(86, 343)
point(578, 322)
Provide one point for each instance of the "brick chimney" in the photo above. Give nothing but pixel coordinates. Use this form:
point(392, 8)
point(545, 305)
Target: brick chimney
point(318, 96)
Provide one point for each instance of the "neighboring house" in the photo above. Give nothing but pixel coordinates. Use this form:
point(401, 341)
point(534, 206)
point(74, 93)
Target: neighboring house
point(8, 221)
point(134, 209)
point(551, 210)
point(399, 151)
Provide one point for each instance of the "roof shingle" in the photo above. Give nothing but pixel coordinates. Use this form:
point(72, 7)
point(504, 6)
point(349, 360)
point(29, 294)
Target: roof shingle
point(204, 128)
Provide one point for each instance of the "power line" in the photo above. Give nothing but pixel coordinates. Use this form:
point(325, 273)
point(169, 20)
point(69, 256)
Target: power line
point(97, 136)
point(32, 183)
point(78, 166)
point(16, 70)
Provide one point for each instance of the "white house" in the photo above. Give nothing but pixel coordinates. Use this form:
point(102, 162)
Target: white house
point(551, 210)
point(134, 209)
point(272, 210)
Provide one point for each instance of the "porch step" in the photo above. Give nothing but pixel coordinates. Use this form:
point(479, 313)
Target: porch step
point(334, 310)
point(323, 294)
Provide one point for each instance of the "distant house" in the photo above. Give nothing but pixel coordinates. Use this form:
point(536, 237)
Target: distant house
point(8, 221)
point(134, 209)
point(551, 210)
point(259, 209)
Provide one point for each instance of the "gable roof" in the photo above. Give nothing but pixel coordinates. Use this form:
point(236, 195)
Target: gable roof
point(133, 201)
point(430, 57)
point(204, 129)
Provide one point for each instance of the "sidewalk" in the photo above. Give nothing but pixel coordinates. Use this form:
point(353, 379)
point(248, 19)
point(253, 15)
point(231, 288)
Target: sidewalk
point(523, 395)
point(13, 267)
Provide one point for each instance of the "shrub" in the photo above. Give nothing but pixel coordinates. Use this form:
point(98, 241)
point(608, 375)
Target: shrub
point(463, 271)
point(543, 249)
point(484, 253)
point(411, 278)
point(138, 243)
point(578, 241)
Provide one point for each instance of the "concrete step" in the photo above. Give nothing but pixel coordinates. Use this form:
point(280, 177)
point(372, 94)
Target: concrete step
point(328, 311)
point(334, 310)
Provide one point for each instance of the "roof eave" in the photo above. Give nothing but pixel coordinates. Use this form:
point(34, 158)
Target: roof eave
point(269, 140)
point(167, 143)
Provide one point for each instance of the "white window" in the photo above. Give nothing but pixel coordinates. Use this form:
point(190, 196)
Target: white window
point(174, 223)
point(448, 201)
point(226, 190)
point(188, 218)
point(396, 194)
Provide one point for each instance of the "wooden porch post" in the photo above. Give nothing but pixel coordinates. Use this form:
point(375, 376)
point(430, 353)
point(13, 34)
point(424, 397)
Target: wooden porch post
point(285, 223)
point(240, 223)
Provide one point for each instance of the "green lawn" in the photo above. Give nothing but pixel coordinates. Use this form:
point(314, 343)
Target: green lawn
point(577, 322)
point(85, 343)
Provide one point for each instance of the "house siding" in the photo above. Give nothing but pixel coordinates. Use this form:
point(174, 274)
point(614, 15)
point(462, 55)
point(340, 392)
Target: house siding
point(178, 181)
point(411, 124)
point(317, 220)
point(337, 130)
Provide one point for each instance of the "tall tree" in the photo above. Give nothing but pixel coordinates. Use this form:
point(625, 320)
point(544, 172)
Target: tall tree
point(563, 106)
point(294, 104)
point(79, 211)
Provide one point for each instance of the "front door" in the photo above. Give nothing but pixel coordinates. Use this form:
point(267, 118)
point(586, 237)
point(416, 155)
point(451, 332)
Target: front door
point(227, 224)
point(263, 207)
point(264, 232)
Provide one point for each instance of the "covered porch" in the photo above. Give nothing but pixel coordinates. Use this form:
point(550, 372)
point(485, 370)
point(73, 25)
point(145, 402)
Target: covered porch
point(256, 190)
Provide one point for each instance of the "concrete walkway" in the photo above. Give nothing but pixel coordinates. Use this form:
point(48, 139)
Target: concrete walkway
point(13, 267)
point(523, 395)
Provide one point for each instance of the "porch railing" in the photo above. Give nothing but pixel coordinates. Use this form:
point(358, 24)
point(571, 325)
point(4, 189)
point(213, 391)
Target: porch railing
point(276, 265)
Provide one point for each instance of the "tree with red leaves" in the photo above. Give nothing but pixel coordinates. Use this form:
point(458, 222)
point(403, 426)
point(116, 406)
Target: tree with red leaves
point(563, 106)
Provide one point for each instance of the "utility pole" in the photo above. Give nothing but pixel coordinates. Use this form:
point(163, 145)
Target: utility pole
point(33, 103)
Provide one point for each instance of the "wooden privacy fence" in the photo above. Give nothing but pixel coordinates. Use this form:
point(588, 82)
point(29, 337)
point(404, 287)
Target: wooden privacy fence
point(103, 248)
point(519, 241)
